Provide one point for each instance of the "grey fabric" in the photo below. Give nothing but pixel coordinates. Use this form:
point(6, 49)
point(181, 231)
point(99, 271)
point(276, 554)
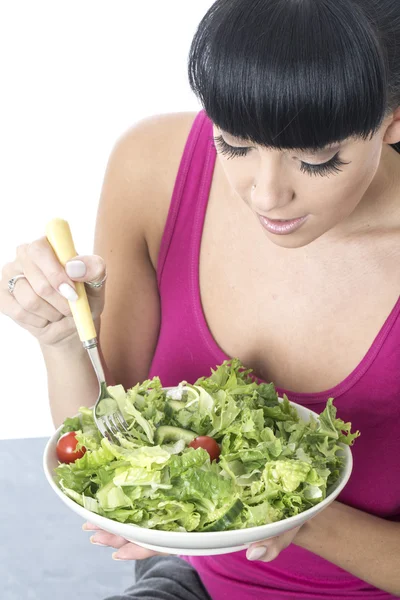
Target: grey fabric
point(164, 578)
point(44, 554)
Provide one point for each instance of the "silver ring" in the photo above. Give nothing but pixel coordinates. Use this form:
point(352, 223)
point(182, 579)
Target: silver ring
point(96, 284)
point(12, 282)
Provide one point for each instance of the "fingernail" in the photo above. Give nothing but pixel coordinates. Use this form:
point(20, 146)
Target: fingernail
point(75, 268)
point(86, 528)
point(68, 292)
point(256, 553)
point(115, 557)
point(95, 542)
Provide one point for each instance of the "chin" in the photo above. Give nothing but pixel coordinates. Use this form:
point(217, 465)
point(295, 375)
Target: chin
point(292, 240)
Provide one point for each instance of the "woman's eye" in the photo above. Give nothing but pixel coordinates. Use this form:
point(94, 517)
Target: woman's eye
point(331, 167)
point(229, 151)
point(324, 169)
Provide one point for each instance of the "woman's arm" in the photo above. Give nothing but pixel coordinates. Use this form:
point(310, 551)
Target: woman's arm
point(131, 217)
point(362, 544)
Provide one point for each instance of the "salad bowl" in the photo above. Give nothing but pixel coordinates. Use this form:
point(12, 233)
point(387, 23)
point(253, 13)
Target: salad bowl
point(260, 511)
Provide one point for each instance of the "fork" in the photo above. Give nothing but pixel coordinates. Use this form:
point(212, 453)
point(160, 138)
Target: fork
point(59, 235)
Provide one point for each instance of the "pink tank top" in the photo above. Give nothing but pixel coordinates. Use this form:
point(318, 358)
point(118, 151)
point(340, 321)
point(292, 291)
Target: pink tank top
point(369, 397)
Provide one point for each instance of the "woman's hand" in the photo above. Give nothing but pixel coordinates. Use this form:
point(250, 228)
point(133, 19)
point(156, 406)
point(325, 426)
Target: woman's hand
point(126, 550)
point(38, 302)
point(270, 549)
point(265, 551)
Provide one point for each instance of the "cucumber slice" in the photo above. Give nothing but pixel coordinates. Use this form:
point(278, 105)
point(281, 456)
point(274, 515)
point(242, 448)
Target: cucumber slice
point(167, 433)
point(227, 519)
point(176, 404)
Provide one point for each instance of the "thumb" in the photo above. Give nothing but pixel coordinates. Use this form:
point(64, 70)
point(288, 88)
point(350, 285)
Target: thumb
point(87, 268)
point(269, 549)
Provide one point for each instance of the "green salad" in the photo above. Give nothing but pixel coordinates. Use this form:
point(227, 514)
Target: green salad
point(271, 464)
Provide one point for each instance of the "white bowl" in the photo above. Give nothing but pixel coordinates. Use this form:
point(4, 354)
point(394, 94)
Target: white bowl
point(197, 543)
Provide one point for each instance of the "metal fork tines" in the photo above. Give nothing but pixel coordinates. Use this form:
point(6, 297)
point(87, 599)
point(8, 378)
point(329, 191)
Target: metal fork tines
point(113, 424)
point(109, 425)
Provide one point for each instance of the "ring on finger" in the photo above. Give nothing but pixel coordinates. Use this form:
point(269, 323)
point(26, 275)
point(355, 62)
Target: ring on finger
point(11, 282)
point(96, 284)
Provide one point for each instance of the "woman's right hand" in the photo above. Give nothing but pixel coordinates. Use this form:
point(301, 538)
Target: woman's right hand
point(39, 302)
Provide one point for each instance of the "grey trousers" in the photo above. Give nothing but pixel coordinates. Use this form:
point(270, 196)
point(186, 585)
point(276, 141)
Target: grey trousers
point(164, 578)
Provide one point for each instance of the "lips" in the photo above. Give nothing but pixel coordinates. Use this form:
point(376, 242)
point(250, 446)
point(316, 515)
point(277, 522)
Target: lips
point(280, 226)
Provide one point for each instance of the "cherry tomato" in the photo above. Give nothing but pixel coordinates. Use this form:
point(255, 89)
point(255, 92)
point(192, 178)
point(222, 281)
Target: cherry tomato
point(66, 448)
point(207, 443)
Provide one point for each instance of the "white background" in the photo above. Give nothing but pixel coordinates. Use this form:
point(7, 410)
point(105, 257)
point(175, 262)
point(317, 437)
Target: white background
point(74, 76)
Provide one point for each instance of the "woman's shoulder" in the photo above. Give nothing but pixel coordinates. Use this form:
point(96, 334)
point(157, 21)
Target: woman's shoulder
point(148, 156)
point(131, 217)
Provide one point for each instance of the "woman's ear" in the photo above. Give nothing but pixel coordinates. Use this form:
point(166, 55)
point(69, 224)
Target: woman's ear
point(392, 134)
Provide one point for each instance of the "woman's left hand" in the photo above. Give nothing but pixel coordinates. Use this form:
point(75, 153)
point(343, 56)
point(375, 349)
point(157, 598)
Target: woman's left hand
point(265, 551)
point(268, 550)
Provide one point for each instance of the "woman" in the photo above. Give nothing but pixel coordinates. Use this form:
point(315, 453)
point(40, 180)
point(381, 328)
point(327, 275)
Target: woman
point(280, 246)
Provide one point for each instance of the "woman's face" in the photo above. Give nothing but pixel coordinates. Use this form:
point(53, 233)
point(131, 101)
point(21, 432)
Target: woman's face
point(298, 196)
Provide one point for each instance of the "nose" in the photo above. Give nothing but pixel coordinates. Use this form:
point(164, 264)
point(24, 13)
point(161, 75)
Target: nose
point(271, 190)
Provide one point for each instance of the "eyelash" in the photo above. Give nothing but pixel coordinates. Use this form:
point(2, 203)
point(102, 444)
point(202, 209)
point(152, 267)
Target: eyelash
point(330, 167)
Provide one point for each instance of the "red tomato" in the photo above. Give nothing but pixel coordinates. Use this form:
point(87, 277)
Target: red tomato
point(66, 448)
point(207, 443)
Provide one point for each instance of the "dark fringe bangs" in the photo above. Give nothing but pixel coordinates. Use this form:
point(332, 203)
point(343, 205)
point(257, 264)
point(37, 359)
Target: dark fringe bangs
point(290, 74)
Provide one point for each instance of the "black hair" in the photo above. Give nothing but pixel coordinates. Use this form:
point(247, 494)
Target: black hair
point(298, 74)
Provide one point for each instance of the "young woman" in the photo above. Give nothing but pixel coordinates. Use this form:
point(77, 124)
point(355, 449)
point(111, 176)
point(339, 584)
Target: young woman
point(266, 228)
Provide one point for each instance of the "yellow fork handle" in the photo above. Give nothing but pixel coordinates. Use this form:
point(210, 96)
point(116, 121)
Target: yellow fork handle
point(59, 236)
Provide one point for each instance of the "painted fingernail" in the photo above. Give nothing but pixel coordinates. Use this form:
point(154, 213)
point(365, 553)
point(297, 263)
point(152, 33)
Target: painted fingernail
point(68, 292)
point(75, 268)
point(256, 553)
point(92, 540)
point(115, 557)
